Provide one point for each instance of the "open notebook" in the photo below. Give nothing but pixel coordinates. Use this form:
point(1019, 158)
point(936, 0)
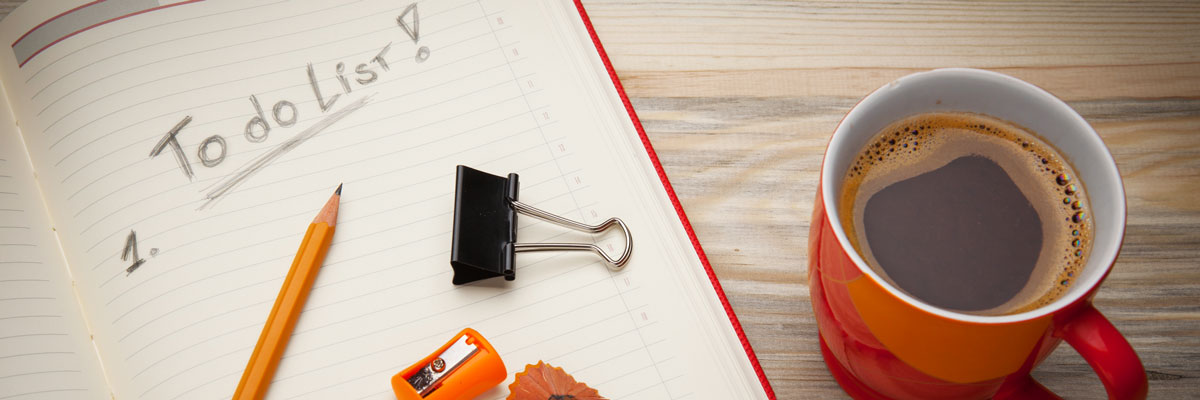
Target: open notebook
point(159, 161)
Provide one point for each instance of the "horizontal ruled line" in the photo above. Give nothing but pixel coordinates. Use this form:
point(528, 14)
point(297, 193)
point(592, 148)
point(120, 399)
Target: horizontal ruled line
point(32, 335)
point(41, 392)
point(37, 354)
point(31, 316)
point(41, 372)
point(27, 298)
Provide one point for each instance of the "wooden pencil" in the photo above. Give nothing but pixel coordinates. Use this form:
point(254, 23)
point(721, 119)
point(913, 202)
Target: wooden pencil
point(278, 329)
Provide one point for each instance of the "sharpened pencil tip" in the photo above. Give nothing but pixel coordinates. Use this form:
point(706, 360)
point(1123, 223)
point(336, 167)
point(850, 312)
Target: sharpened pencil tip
point(329, 213)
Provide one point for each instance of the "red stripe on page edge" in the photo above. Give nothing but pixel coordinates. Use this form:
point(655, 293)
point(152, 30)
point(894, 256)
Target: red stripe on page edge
point(31, 56)
point(14, 43)
point(737, 326)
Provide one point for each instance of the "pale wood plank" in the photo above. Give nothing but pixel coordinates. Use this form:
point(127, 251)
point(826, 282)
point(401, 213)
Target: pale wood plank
point(1100, 81)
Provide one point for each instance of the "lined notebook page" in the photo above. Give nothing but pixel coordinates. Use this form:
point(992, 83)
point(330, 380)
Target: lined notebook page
point(496, 85)
point(45, 351)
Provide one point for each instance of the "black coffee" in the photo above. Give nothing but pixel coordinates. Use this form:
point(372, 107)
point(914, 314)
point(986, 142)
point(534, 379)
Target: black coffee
point(968, 213)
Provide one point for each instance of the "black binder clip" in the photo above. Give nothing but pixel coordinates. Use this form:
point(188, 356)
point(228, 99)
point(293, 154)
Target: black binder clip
point(485, 228)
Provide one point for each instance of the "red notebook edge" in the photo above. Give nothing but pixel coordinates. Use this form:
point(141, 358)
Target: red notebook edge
point(687, 226)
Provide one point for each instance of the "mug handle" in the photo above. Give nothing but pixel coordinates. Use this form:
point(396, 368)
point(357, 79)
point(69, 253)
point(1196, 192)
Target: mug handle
point(1109, 354)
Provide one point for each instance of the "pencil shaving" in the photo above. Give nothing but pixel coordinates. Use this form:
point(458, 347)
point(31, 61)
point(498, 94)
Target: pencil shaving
point(546, 382)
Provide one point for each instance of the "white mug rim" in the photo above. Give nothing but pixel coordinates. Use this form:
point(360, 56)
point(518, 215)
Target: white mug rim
point(1105, 258)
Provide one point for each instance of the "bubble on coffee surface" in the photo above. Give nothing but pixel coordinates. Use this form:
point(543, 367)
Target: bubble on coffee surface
point(916, 138)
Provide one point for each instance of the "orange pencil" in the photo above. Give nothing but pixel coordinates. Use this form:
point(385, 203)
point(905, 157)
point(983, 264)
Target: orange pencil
point(275, 334)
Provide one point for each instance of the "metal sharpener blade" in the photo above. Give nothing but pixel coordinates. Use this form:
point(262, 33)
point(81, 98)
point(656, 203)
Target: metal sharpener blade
point(428, 377)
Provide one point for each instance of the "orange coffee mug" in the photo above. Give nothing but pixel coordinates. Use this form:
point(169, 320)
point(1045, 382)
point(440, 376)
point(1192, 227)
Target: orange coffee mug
point(881, 343)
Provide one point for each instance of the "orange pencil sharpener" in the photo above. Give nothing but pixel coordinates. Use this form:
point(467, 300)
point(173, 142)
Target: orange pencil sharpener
point(461, 369)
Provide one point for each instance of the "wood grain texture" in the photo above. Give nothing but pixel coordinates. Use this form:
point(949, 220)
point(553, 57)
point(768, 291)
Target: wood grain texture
point(739, 98)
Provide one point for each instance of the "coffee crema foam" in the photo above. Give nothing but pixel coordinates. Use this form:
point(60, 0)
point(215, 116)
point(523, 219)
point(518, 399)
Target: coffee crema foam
point(926, 142)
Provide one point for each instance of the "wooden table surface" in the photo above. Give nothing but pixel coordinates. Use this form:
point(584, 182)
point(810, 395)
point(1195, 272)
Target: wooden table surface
point(739, 99)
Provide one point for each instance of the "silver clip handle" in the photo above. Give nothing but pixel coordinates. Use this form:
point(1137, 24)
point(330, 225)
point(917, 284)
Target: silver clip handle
point(615, 265)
